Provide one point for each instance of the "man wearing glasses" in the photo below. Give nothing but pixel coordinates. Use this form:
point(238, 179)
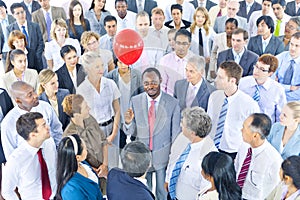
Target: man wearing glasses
point(267, 92)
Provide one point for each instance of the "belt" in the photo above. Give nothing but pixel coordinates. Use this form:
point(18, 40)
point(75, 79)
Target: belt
point(107, 122)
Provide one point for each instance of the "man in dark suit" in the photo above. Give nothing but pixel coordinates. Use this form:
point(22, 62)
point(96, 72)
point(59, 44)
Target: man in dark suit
point(265, 42)
point(247, 7)
point(154, 119)
point(40, 18)
point(30, 6)
point(194, 90)
point(133, 5)
point(33, 35)
point(207, 4)
point(293, 8)
point(238, 53)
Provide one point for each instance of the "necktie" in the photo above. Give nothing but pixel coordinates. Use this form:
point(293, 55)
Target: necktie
point(264, 43)
point(221, 122)
point(244, 170)
point(256, 95)
point(191, 94)
point(151, 121)
point(176, 171)
point(237, 58)
point(248, 8)
point(289, 73)
point(200, 43)
point(219, 13)
point(277, 29)
point(140, 6)
point(48, 24)
point(26, 35)
point(46, 187)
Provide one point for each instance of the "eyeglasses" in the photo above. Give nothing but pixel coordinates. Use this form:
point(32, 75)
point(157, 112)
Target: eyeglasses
point(260, 68)
point(20, 13)
point(92, 43)
point(182, 43)
point(290, 27)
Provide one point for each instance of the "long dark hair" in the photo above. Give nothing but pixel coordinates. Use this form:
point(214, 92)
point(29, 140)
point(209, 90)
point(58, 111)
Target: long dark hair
point(220, 167)
point(66, 162)
point(93, 6)
point(11, 56)
point(72, 25)
point(291, 167)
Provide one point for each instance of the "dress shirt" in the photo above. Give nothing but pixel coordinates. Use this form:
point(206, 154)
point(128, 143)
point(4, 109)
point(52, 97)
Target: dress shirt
point(173, 24)
point(52, 51)
point(284, 62)
point(188, 11)
point(237, 113)
point(26, 28)
point(11, 139)
point(157, 100)
point(237, 56)
point(272, 96)
point(29, 6)
point(4, 24)
point(23, 170)
point(127, 22)
point(266, 41)
point(207, 40)
point(172, 69)
point(252, 28)
point(101, 104)
point(284, 20)
point(263, 173)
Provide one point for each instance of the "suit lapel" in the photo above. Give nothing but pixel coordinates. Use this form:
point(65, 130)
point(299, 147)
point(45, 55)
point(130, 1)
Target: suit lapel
point(160, 112)
point(41, 15)
point(230, 55)
point(270, 45)
point(185, 89)
point(201, 91)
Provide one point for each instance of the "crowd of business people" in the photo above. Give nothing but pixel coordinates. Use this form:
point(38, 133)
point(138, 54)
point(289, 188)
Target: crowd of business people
point(211, 108)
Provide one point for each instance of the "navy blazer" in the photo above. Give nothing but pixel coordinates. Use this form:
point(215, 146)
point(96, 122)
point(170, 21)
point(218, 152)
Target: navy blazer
point(243, 9)
point(292, 147)
point(60, 95)
point(201, 99)
point(274, 47)
point(186, 24)
point(290, 9)
point(5, 105)
point(148, 6)
point(208, 5)
point(36, 44)
point(11, 20)
point(35, 6)
point(65, 80)
point(248, 60)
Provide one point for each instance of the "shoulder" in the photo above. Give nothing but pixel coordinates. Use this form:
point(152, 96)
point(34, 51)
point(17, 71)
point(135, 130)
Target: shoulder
point(251, 54)
point(63, 92)
point(171, 100)
point(180, 83)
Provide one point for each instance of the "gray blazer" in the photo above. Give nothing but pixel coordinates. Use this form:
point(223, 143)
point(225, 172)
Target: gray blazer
point(290, 9)
point(11, 20)
point(201, 99)
point(166, 128)
point(38, 17)
point(219, 26)
point(287, 46)
point(274, 47)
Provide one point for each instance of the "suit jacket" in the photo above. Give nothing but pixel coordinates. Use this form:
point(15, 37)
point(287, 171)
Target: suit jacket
point(276, 194)
point(243, 9)
point(35, 6)
point(292, 147)
point(201, 99)
point(290, 9)
point(65, 80)
point(38, 17)
point(36, 44)
point(248, 60)
point(186, 24)
point(219, 26)
point(148, 6)
point(166, 126)
point(119, 183)
point(208, 5)
point(274, 47)
point(11, 19)
point(287, 46)
point(5, 105)
point(60, 95)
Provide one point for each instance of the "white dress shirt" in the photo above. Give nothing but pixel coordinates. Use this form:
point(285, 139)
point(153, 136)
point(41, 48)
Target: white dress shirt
point(252, 28)
point(207, 40)
point(23, 170)
point(263, 173)
point(237, 113)
point(127, 22)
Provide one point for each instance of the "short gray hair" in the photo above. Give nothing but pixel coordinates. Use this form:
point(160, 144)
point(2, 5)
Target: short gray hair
point(197, 120)
point(142, 14)
point(88, 58)
point(297, 21)
point(198, 61)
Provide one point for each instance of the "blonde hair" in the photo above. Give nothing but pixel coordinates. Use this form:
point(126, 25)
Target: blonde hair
point(44, 77)
point(72, 104)
point(58, 22)
point(295, 107)
point(206, 23)
point(86, 36)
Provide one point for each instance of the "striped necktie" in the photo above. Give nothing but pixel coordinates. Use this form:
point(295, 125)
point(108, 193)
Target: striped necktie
point(256, 95)
point(221, 122)
point(176, 171)
point(244, 170)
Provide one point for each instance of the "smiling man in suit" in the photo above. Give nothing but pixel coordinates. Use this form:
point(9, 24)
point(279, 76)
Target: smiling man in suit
point(154, 119)
point(245, 58)
point(194, 90)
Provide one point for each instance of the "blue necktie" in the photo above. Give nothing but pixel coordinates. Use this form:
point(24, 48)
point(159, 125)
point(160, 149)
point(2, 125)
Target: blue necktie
point(176, 171)
point(26, 35)
point(48, 24)
point(221, 122)
point(289, 74)
point(256, 95)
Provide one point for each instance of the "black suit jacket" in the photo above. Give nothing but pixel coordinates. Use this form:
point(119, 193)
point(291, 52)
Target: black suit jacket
point(248, 60)
point(5, 105)
point(36, 44)
point(243, 9)
point(208, 5)
point(290, 9)
point(11, 20)
point(65, 80)
point(35, 6)
point(274, 47)
point(186, 24)
point(148, 6)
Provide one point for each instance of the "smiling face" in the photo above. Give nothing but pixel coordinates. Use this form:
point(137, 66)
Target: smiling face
point(93, 44)
point(71, 59)
point(52, 85)
point(200, 19)
point(290, 28)
point(266, 6)
point(99, 4)
point(19, 43)
point(287, 116)
point(27, 98)
point(151, 83)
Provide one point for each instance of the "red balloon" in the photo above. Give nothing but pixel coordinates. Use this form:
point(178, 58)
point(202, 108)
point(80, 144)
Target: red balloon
point(128, 46)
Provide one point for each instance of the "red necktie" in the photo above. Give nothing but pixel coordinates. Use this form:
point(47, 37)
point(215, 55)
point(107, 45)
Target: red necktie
point(219, 13)
point(245, 168)
point(46, 187)
point(151, 121)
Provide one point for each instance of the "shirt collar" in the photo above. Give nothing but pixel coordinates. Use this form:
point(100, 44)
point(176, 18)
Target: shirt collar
point(173, 24)
point(258, 150)
point(44, 11)
point(266, 40)
point(198, 85)
point(157, 99)
point(32, 150)
point(5, 19)
point(240, 54)
point(25, 24)
point(180, 59)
